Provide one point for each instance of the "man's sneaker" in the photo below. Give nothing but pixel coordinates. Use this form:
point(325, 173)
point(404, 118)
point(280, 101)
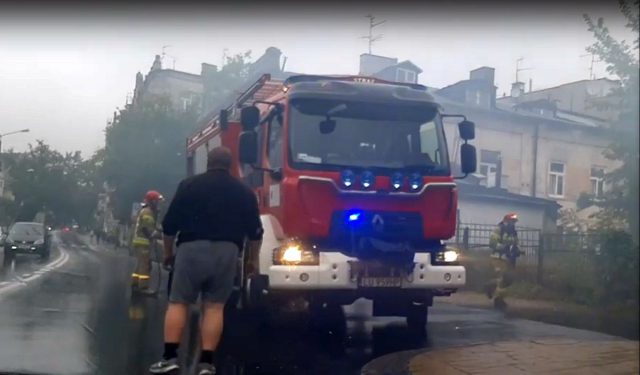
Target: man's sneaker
point(206, 369)
point(164, 366)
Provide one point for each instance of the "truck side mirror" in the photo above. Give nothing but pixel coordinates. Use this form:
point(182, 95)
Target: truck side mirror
point(467, 130)
point(249, 117)
point(224, 119)
point(468, 162)
point(248, 147)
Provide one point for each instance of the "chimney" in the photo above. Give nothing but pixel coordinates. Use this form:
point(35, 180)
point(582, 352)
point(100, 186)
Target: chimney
point(517, 89)
point(486, 74)
point(157, 64)
point(530, 84)
point(372, 64)
point(207, 70)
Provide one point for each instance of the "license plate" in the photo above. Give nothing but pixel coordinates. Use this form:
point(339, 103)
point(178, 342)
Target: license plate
point(380, 282)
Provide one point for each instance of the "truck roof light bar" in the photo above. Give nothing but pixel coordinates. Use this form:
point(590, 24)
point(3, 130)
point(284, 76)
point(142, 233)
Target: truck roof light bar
point(345, 78)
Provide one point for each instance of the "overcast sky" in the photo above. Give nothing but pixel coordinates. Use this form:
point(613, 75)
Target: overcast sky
point(63, 74)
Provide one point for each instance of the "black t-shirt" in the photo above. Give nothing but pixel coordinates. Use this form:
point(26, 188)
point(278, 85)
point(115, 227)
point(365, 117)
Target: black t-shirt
point(213, 206)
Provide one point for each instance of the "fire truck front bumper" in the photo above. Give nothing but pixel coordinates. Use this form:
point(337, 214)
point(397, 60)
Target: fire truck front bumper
point(337, 271)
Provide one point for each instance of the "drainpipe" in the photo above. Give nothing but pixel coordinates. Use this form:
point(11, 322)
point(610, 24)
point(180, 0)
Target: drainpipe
point(534, 173)
point(499, 172)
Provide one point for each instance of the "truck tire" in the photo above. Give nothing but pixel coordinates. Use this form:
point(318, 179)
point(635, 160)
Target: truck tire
point(417, 317)
point(45, 255)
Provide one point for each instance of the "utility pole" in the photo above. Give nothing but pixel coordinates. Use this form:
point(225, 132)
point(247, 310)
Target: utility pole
point(592, 76)
point(372, 24)
point(519, 69)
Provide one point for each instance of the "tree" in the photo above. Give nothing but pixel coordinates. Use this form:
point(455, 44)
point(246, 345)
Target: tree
point(622, 61)
point(44, 180)
point(223, 84)
point(145, 150)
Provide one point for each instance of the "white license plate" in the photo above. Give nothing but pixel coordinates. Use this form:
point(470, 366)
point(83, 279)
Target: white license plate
point(380, 282)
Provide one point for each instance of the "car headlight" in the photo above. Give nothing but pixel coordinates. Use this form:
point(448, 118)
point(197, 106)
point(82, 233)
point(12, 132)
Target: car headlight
point(448, 256)
point(39, 242)
point(295, 254)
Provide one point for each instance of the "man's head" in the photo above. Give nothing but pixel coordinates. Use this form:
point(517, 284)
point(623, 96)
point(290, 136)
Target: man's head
point(219, 158)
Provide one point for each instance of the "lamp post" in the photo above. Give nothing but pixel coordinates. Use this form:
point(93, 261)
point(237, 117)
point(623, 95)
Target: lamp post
point(4, 135)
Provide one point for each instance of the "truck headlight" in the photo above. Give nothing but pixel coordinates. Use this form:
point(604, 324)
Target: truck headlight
point(446, 257)
point(295, 254)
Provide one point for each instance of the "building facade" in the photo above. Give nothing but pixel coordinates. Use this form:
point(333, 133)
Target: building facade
point(184, 90)
point(524, 146)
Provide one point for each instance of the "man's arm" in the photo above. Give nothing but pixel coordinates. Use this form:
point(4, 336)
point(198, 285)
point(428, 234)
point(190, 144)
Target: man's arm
point(171, 222)
point(254, 232)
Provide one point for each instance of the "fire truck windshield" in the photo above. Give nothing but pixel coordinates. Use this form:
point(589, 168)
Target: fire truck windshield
point(366, 135)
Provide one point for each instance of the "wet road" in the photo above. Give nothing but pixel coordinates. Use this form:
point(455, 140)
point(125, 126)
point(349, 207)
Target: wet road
point(75, 314)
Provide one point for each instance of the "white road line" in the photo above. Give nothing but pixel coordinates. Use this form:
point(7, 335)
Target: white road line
point(8, 286)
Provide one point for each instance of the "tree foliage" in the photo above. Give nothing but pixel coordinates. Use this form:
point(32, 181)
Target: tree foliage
point(45, 180)
point(225, 82)
point(144, 150)
point(622, 61)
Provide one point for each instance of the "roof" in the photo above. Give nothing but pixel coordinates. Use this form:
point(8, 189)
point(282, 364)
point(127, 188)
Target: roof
point(403, 65)
point(502, 109)
point(561, 85)
point(469, 190)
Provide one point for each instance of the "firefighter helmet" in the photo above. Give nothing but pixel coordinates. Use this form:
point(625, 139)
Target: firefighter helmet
point(510, 217)
point(152, 196)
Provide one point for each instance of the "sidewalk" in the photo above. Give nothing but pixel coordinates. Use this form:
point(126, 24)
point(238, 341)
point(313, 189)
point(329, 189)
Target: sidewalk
point(552, 356)
point(614, 321)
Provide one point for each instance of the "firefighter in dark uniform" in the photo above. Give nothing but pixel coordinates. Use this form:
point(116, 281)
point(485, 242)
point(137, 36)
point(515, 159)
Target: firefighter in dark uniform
point(504, 246)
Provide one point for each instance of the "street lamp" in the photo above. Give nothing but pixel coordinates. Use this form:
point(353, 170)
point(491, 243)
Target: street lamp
point(9, 133)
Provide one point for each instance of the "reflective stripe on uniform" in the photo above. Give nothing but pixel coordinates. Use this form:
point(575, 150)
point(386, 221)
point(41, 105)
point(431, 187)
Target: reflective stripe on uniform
point(144, 277)
point(140, 241)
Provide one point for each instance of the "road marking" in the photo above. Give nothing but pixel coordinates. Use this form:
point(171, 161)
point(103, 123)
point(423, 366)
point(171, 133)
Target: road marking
point(8, 286)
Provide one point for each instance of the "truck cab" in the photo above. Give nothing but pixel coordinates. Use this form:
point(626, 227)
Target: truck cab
point(356, 192)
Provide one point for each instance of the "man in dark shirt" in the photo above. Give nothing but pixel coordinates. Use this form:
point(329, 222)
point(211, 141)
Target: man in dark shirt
point(212, 214)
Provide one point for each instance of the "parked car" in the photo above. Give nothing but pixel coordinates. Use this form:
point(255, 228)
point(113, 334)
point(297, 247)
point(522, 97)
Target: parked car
point(27, 238)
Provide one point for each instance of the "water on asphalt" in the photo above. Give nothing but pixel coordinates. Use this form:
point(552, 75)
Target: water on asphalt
point(75, 314)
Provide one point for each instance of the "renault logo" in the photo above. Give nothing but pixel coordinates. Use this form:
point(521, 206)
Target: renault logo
point(378, 223)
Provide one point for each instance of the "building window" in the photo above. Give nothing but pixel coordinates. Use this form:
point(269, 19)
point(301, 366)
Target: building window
point(406, 76)
point(597, 181)
point(556, 180)
point(489, 166)
point(186, 104)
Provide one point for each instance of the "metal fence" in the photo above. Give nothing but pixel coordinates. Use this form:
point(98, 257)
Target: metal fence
point(546, 257)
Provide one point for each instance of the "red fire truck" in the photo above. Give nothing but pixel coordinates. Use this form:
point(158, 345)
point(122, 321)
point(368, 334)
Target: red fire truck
point(355, 189)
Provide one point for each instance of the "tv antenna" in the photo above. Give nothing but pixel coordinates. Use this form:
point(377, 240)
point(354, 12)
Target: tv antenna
point(592, 75)
point(372, 24)
point(519, 69)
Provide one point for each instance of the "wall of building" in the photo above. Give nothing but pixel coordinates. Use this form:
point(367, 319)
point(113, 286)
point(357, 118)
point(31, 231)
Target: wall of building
point(579, 149)
point(490, 212)
point(176, 85)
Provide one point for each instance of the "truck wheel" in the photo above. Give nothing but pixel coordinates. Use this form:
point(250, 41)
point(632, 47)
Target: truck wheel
point(328, 318)
point(417, 316)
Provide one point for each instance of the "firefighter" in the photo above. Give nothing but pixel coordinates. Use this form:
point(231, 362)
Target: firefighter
point(503, 241)
point(144, 235)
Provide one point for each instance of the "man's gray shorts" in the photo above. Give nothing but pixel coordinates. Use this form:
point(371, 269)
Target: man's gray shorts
point(204, 268)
